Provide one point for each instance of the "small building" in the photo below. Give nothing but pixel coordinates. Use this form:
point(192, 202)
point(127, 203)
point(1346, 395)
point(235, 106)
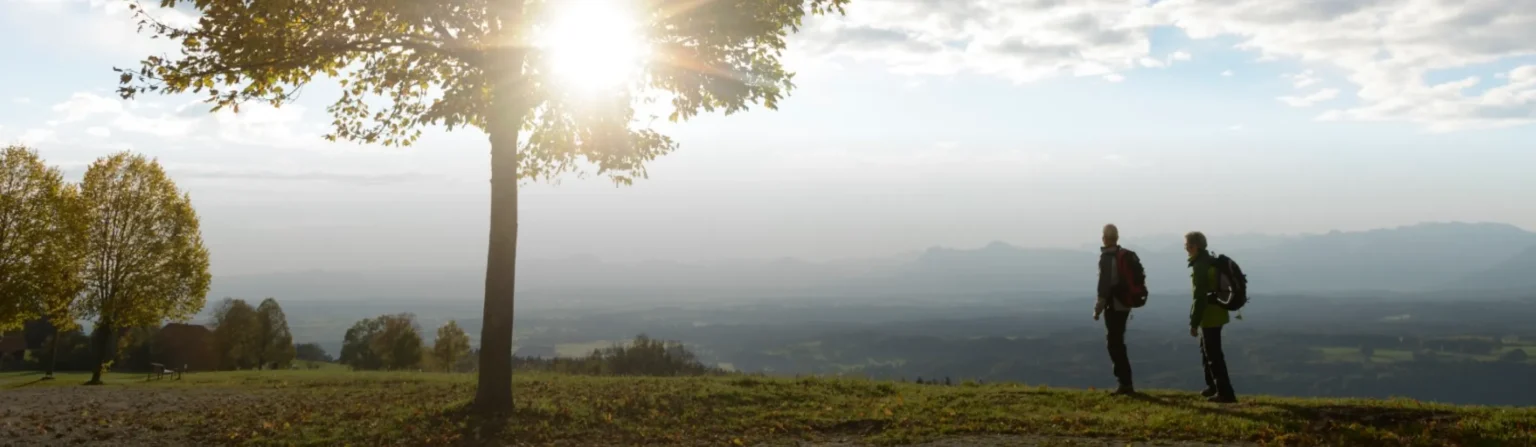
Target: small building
point(180, 345)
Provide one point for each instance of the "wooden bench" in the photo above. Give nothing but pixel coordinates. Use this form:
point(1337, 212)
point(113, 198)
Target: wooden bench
point(158, 371)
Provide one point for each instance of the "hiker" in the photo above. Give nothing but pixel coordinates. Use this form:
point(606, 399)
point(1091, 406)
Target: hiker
point(1207, 318)
point(1121, 288)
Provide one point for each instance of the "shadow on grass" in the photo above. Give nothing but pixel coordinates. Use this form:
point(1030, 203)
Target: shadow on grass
point(1335, 421)
point(27, 384)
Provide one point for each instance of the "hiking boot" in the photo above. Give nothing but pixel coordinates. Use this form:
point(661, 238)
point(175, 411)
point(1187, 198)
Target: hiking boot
point(1208, 393)
point(1219, 399)
point(1124, 390)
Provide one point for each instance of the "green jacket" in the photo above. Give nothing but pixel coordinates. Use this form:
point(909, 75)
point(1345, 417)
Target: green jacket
point(1203, 277)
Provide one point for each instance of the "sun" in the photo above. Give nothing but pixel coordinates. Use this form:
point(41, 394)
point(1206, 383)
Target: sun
point(593, 45)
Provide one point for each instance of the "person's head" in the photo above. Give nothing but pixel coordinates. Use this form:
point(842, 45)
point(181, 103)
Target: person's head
point(1111, 235)
point(1194, 243)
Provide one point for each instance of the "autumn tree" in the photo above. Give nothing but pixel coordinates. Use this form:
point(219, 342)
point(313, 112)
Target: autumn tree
point(357, 346)
point(495, 65)
point(384, 342)
point(276, 343)
point(451, 345)
point(145, 261)
point(311, 352)
point(237, 334)
point(399, 343)
point(41, 245)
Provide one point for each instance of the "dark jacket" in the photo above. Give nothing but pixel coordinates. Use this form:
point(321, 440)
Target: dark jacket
point(1111, 283)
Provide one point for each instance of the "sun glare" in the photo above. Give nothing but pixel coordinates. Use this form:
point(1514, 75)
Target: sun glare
point(593, 45)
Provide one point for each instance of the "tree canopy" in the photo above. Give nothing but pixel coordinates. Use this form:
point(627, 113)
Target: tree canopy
point(41, 241)
point(389, 342)
point(404, 65)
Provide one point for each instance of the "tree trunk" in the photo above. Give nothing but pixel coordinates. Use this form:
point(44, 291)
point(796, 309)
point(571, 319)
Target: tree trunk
point(494, 394)
point(53, 354)
point(105, 339)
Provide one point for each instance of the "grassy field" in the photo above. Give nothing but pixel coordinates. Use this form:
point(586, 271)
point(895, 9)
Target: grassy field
point(333, 407)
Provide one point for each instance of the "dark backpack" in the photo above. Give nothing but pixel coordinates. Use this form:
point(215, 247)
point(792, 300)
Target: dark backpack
point(1231, 284)
point(1133, 280)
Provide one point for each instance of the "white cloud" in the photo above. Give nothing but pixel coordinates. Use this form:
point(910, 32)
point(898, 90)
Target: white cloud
point(255, 124)
point(1019, 40)
point(22, 100)
point(1236, 127)
point(1227, 73)
point(1302, 80)
point(262, 124)
point(1114, 77)
point(108, 26)
point(1384, 48)
point(1309, 100)
point(82, 106)
point(37, 136)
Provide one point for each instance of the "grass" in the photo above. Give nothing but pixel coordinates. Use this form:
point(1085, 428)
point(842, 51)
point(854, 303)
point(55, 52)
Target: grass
point(328, 407)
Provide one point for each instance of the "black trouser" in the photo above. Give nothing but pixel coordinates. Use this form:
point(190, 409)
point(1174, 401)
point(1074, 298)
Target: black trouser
point(1215, 362)
point(1115, 321)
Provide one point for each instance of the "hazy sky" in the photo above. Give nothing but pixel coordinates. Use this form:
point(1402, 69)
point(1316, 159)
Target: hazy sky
point(916, 123)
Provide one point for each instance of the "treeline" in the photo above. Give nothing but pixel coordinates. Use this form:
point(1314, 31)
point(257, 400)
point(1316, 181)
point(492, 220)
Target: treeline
point(644, 356)
point(241, 337)
point(121, 248)
point(393, 342)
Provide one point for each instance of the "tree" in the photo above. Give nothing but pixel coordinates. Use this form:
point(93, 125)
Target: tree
point(1516, 355)
point(383, 342)
point(145, 259)
point(276, 348)
point(42, 236)
point(312, 352)
point(486, 64)
point(398, 344)
point(237, 334)
point(451, 345)
point(356, 347)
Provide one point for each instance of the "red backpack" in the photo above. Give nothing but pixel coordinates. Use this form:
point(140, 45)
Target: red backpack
point(1134, 279)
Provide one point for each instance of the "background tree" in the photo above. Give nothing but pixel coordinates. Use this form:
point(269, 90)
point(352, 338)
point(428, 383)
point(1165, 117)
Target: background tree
point(451, 345)
point(399, 344)
point(312, 352)
point(383, 342)
point(486, 64)
point(276, 349)
point(30, 192)
point(237, 334)
point(41, 244)
point(145, 259)
point(357, 349)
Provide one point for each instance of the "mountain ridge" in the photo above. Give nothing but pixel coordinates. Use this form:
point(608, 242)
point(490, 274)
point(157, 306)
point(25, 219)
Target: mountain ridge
point(1405, 259)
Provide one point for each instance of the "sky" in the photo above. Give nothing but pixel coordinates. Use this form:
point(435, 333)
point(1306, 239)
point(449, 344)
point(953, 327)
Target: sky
point(915, 123)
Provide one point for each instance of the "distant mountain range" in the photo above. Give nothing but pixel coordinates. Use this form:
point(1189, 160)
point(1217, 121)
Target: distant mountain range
point(1423, 258)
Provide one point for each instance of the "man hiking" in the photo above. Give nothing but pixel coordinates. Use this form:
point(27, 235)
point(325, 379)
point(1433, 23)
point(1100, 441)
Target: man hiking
point(1207, 318)
point(1121, 288)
